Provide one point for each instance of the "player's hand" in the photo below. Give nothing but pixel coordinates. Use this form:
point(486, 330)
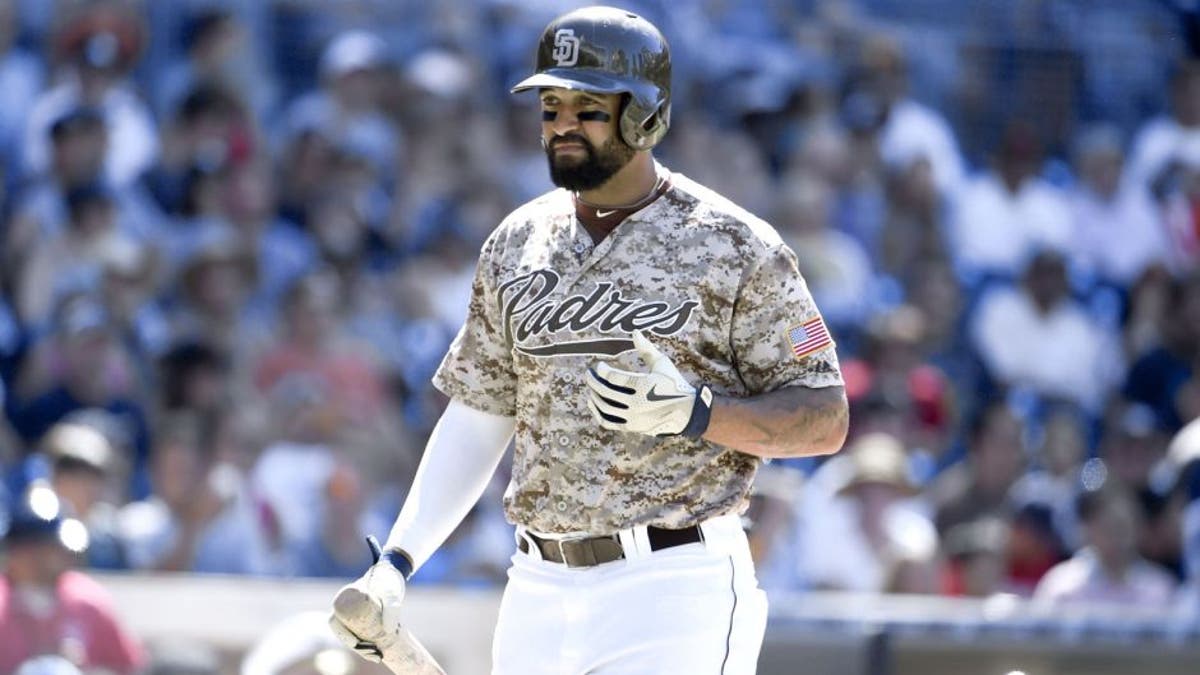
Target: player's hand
point(366, 613)
point(657, 403)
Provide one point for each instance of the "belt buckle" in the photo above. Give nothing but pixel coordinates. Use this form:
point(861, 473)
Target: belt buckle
point(562, 554)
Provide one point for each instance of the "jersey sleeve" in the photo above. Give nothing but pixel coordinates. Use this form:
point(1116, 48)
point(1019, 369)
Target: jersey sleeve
point(478, 370)
point(778, 336)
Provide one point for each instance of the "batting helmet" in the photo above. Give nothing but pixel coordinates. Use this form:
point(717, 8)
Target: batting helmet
point(610, 51)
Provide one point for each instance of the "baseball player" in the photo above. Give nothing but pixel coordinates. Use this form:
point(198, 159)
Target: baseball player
point(645, 343)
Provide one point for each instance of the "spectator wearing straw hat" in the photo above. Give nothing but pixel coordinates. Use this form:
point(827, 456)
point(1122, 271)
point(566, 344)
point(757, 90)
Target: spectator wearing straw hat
point(869, 535)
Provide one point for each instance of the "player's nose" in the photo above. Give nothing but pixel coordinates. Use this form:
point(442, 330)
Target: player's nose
point(565, 121)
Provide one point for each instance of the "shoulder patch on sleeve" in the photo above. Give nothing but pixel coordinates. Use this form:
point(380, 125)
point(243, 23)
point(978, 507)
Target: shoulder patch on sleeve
point(809, 337)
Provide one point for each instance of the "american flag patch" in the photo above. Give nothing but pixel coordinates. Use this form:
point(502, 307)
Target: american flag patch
point(809, 337)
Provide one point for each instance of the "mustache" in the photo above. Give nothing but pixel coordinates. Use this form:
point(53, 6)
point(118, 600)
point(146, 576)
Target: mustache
point(570, 138)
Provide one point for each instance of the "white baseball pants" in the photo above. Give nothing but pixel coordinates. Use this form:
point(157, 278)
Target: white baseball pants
point(694, 609)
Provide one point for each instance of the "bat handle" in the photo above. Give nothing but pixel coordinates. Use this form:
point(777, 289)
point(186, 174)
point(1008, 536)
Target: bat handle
point(376, 549)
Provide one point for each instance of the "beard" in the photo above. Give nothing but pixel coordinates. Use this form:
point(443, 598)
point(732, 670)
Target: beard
point(589, 173)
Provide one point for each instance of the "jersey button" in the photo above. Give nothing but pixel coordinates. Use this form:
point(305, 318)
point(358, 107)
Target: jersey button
point(561, 506)
point(580, 247)
point(564, 440)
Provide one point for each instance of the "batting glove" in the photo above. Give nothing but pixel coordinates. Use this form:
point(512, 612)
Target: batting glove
point(366, 613)
point(657, 403)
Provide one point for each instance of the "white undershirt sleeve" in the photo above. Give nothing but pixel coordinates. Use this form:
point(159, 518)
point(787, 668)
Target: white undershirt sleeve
point(459, 460)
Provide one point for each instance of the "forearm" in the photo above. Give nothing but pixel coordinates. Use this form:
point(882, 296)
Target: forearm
point(459, 460)
point(790, 422)
point(182, 555)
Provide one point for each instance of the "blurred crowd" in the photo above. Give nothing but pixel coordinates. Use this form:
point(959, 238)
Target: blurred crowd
point(237, 238)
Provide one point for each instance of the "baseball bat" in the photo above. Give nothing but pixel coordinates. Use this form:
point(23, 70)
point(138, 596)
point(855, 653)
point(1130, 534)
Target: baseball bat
point(401, 652)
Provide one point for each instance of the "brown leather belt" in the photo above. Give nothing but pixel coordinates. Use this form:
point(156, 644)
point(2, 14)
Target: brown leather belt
point(592, 551)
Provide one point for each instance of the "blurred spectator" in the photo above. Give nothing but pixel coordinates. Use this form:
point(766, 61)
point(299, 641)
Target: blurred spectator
point(743, 171)
point(85, 473)
point(854, 168)
point(1108, 569)
point(1145, 322)
point(48, 608)
point(1118, 231)
point(976, 555)
point(892, 367)
point(71, 260)
point(836, 267)
point(22, 75)
point(214, 288)
point(1162, 377)
point(430, 295)
point(80, 366)
point(304, 173)
point(282, 251)
point(979, 485)
point(1004, 215)
point(216, 53)
point(347, 106)
point(933, 288)
point(1134, 450)
point(912, 132)
point(78, 141)
point(914, 230)
point(100, 43)
point(1161, 539)
point(1054, 477)
point(200, 214)
point(311, 344)
point(460, 148)
point(1037, 337)
point(309, 482)
point(208, 130)
point(1156, 143)
point(194, 378)
point(1166, 161)
point(1180, 195)
point(1034, 546)
point(1133, 446)
point(130, 278)
point(774, 517)
point(350, 251)
point(201, 517)
point(525, 175)
point(867, 536)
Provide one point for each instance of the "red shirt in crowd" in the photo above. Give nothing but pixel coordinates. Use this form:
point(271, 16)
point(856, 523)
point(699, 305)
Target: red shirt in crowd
point(82, 627)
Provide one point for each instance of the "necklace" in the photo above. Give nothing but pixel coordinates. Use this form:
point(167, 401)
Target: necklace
point(649, 197)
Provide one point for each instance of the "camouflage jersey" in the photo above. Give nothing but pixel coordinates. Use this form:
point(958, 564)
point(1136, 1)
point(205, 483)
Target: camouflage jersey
point(712, 286)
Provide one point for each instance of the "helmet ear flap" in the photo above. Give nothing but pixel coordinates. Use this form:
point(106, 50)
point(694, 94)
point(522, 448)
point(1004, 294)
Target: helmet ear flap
point(642, 128)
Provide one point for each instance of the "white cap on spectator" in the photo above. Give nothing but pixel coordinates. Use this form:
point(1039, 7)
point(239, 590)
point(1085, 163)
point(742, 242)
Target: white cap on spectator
point(1185, 446)
point(48, 665)
point(79, 442)
point(439, 72)
point(352, 51)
